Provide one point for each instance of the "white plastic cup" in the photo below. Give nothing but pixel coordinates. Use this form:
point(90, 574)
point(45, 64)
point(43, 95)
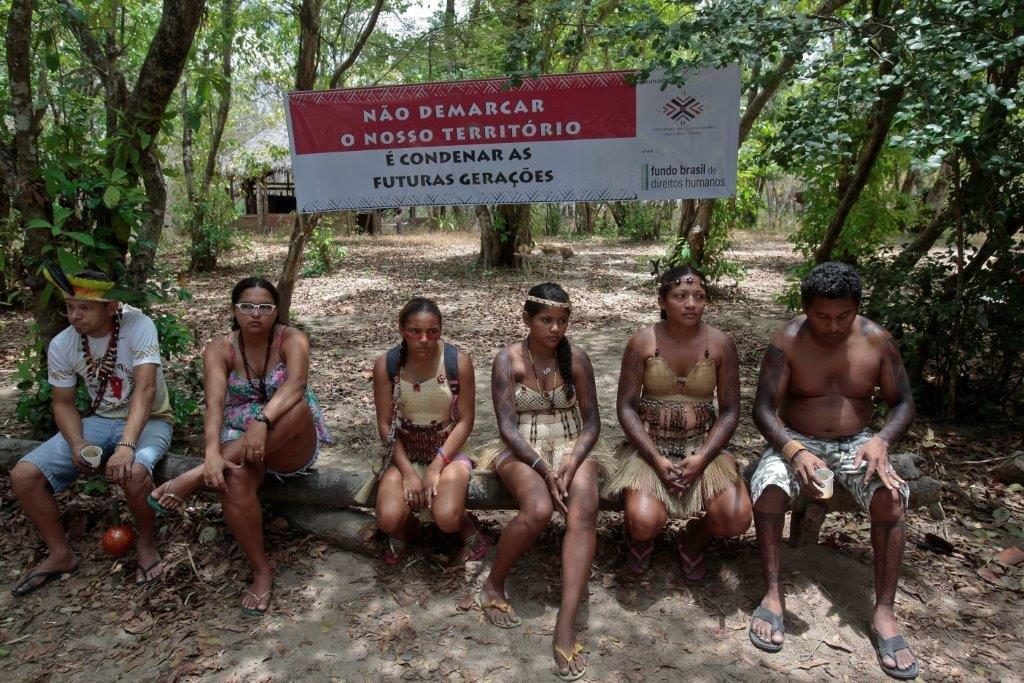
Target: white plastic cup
point(826, 477)
point(92, 455)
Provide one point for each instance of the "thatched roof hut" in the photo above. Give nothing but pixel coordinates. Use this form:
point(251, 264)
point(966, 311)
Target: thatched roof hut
point(260, 171)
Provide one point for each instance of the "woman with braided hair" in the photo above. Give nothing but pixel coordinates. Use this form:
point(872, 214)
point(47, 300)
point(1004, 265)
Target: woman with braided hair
point(261, 418)
point(549, 458)
point(425, 395)
point(672, 463)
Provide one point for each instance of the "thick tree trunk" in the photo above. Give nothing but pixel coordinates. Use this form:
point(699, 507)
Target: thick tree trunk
point(502, 231)
point(27, 187)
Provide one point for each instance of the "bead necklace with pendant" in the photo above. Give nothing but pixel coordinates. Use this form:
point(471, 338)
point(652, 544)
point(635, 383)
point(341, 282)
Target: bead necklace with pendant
point(548, 396)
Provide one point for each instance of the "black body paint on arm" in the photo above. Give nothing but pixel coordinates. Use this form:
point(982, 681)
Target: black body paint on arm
point(630, 383)
point(771, 386)
point(586, 399)
point(898, 394)
point(728, 403)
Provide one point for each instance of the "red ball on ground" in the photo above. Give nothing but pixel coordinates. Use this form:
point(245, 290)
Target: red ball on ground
point(118, 540)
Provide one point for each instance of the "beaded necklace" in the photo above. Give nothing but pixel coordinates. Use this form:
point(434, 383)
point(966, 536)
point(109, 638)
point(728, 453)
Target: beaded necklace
point(548, 396)
point(260, 384)
point(101, 370)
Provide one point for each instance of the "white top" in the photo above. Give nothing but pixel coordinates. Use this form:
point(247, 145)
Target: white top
point(137, 344)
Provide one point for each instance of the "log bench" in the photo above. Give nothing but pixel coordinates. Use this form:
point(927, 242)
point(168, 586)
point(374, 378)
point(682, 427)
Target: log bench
point(322, 502)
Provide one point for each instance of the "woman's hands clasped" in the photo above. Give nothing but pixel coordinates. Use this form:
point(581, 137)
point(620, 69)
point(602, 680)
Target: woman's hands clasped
point(430, 480)
point(413, 490)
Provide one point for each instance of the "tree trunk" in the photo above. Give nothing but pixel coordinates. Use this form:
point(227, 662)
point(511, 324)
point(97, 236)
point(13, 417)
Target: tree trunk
point(502, 231)
point(306, 70)
point(585, 218)
point(261, 205)
point(28, 190)
point(301, 230)
point(881, 118)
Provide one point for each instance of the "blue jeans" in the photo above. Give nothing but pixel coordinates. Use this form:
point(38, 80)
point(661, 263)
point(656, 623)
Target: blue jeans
point(53, 457)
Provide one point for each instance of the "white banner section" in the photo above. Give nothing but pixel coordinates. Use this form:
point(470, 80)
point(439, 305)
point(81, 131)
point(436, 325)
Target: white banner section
point(571, 138)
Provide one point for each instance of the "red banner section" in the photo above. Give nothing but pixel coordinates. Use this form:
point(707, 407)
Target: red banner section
point(570, 107)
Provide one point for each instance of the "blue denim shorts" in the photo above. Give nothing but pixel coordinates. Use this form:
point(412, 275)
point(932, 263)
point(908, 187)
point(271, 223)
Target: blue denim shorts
point(53, 457)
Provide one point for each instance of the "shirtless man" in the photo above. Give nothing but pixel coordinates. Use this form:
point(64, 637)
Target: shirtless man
point(813, 405)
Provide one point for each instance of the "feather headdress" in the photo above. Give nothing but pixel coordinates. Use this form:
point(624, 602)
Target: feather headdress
point(87, 285)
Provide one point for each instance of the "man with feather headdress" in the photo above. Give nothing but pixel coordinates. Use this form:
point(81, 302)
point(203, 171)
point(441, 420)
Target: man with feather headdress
point(114, 349)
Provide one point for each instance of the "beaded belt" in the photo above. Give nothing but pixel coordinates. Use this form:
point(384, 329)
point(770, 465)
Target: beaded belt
point(422, 441)
point(673, 424)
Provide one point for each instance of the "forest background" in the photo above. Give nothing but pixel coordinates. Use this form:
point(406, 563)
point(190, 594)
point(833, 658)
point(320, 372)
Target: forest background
point(885, 134)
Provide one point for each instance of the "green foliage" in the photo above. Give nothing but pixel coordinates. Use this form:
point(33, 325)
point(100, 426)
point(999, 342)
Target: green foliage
point(95, 485)
point(35, 402)
point(985, 357)
point(715, 265)
point(323, 254)
point(209, 223)
point(11, 240)
point(546, 219)
point(637, 221)
point(876, 219)
point(183, 372)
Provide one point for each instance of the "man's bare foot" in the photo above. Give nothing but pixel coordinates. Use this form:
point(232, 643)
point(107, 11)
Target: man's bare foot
point(256, 598)
point(763, 629)
point(884, 623)
point(496, 608)
point(51, 568)
point(570, 659)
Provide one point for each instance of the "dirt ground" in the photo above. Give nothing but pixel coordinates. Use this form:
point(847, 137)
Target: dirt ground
point(340, 616)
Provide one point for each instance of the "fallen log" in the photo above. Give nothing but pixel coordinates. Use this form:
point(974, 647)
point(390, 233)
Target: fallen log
point(329, 489)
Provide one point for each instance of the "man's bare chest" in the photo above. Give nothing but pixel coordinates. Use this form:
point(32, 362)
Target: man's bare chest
point(850, 371)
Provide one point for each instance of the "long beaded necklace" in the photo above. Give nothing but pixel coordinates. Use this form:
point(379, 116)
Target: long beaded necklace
point(102, 369)
point(260, 385)
point(546, 395)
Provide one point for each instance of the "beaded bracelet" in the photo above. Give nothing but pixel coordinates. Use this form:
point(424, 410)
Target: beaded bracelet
point(129, 444)
point(791, 448)
point(535, 461)
point(444, 458)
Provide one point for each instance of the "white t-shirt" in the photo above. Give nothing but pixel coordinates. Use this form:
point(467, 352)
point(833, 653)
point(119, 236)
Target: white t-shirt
point(137, 344)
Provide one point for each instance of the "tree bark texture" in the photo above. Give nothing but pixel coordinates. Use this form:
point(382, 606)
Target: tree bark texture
point(502, 230)
point(26, 186)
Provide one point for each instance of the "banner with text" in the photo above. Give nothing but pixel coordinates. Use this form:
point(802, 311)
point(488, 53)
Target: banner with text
point(572, 138)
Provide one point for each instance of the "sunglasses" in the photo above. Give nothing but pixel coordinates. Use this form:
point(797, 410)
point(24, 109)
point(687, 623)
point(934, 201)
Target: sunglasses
point(253, 309)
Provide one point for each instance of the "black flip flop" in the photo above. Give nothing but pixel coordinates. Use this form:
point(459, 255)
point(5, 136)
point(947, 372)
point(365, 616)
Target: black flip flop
point(25, 586)
point(887, 647)
point(146, 578)
point(776, 622)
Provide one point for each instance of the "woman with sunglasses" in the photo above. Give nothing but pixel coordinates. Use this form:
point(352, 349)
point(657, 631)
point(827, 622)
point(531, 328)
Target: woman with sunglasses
point(261, 417)
point(425, 395)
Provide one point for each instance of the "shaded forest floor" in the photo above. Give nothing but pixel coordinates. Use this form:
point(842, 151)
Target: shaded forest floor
point(337, 615)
